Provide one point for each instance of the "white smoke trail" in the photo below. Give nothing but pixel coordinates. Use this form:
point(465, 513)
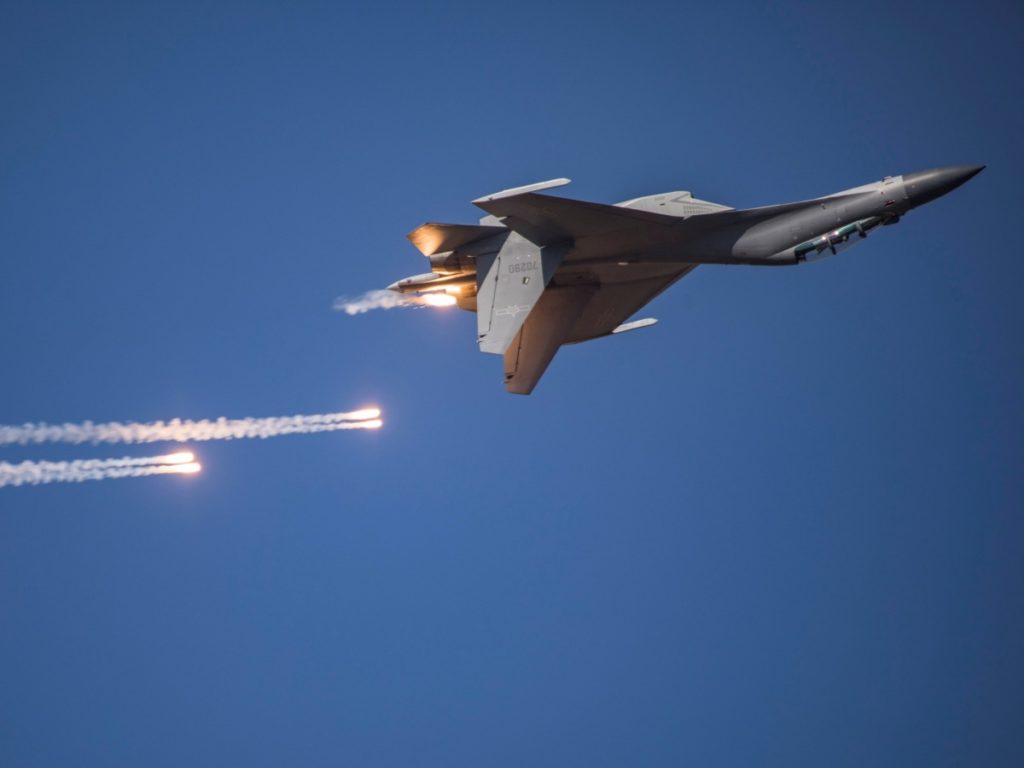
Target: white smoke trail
point(179, 430)
point(390, 300)
point(38, 472)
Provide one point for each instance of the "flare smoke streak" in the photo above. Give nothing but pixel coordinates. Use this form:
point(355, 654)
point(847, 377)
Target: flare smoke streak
point(389, 300)
point(179, 430)
point(38, 472)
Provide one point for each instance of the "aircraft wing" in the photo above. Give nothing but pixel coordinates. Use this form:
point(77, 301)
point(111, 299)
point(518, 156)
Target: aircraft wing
point(544, 219)
point(540, 336)
point(614, 303)
point(570, 314)
point(556, 313)
point(598, 230)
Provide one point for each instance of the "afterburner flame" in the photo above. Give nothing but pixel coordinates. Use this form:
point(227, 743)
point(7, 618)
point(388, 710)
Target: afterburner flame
point(186, 469)
point(438, 300)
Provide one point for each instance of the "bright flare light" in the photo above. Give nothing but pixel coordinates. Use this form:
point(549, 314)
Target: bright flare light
point(175, 458)
point(370, 424)
point(178, 430)
point(80, 470)
point(438, 300)
point(366, 413)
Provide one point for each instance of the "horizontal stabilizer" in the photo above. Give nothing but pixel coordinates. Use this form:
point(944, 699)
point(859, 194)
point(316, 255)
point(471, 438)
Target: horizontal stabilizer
point(434, 238)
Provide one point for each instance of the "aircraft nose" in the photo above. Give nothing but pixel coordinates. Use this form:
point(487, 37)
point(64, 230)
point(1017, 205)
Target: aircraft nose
point(925, 186)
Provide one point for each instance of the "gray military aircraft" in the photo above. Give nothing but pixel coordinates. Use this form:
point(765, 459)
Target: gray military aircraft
point(542, 271)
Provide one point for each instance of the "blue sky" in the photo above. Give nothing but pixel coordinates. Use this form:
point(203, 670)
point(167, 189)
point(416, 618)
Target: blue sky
point(780, 527)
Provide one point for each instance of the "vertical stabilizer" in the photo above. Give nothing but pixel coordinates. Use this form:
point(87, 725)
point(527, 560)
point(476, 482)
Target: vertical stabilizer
point(509, 283)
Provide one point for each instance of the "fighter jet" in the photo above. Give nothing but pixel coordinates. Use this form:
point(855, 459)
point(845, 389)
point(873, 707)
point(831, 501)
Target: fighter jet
point(543, 271)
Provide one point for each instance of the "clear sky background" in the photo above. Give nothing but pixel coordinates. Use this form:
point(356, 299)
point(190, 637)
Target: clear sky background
point(782, 527)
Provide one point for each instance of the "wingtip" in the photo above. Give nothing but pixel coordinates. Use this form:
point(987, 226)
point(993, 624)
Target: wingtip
point(540, 185)
point(633, 325)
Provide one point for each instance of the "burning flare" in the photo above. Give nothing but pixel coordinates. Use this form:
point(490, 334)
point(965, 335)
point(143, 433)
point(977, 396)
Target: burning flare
point(179, 463)
point(80, 470)
point(439, 300)
point(390, 300)
point(181, 431)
